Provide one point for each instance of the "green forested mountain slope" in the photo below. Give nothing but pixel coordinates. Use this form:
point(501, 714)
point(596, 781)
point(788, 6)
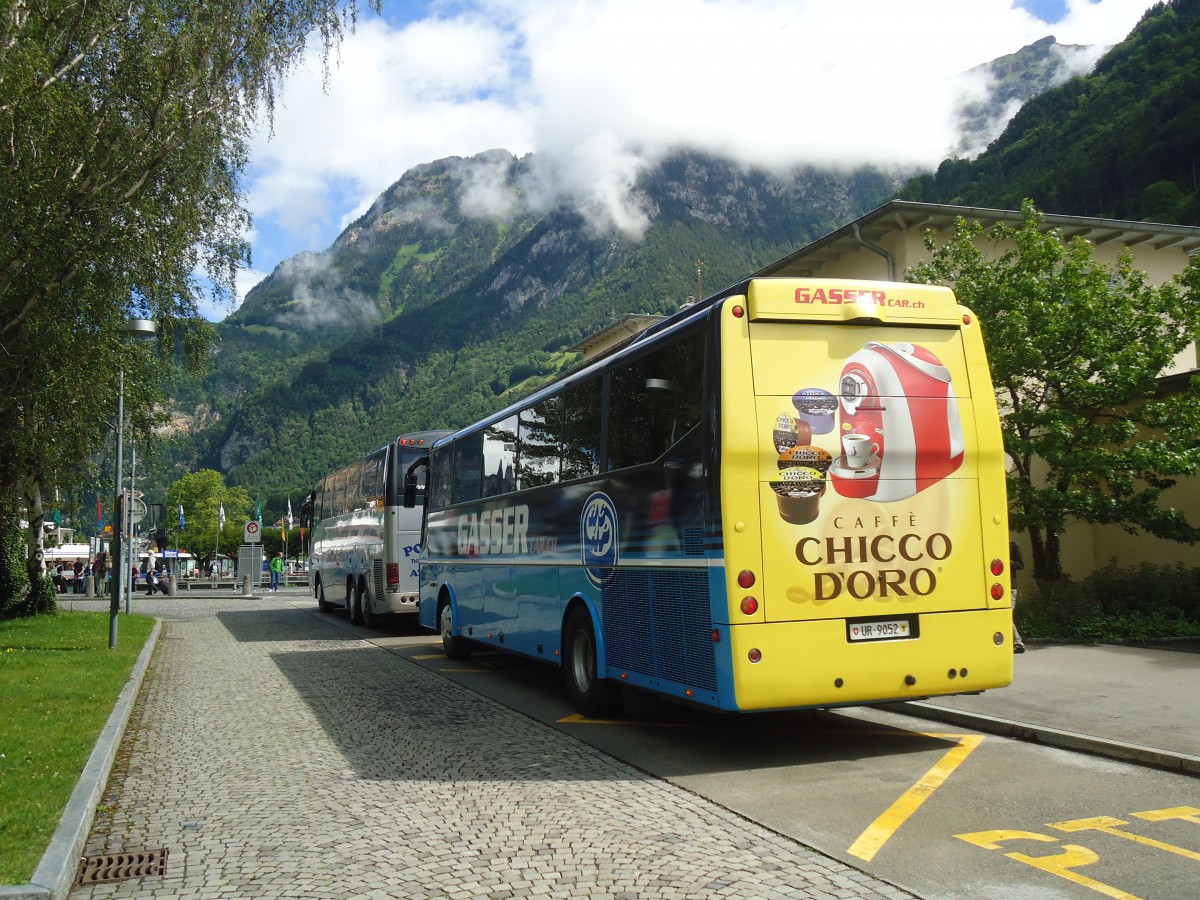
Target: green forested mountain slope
point(1123, 142)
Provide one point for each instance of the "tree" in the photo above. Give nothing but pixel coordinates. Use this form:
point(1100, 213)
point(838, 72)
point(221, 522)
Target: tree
point(125, 131)
point(1076, 348)
point(203, 495)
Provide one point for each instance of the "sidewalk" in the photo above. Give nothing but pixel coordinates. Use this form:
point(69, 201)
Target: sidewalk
point(1135, 704)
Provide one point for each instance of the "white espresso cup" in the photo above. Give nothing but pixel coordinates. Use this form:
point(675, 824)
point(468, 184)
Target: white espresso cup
point(859, 450)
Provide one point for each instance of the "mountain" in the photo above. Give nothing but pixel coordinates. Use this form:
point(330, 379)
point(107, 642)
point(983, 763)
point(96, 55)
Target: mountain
point(1122, 142)
point(455, 292)
point(1008, 82)
point(464, 285)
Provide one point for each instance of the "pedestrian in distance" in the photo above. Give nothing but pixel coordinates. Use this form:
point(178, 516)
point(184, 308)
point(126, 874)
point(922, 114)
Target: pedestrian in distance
point(154, 583)
point(1015, 565)
point(100, 570)
point(276, 570)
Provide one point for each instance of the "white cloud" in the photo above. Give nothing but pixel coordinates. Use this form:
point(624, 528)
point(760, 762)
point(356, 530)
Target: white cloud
point(600, 88)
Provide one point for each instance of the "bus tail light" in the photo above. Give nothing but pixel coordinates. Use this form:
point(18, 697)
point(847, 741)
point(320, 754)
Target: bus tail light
point(997, 591)
point(746, 578)
point(997, 567)
point(755, 655)
point(749, 606)
point(393, 574)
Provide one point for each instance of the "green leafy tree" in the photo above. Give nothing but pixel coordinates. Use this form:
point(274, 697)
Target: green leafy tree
point(125, 127)
point(1076, 347)
point(202, 495)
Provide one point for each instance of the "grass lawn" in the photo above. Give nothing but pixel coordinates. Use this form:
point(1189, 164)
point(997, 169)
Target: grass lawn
point(58, 685)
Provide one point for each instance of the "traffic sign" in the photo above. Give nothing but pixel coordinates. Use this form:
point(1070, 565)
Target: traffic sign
point(137, 512)
point(251, 533)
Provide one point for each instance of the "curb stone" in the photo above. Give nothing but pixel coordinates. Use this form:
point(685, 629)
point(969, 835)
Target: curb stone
point(1053, 737)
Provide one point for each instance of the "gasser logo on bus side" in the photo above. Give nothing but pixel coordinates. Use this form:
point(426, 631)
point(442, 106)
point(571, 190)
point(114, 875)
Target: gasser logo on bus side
point(867, 296)
point(494, 531)
point(910, 552)
point(599, 538)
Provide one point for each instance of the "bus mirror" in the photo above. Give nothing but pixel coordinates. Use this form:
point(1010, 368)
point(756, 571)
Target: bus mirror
point(412, 487)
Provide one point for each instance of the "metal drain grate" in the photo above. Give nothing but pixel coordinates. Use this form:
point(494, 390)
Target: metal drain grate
point(122, 866)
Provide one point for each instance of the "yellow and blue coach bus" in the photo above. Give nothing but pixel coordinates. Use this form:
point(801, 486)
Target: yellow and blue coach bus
point(789, 495)
point(363, 542)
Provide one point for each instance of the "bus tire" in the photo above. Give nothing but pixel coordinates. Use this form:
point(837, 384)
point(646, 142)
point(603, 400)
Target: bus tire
point(364, 604)
point(453, 645)
point(354, 603)
point(322, 604)
point(590, 694)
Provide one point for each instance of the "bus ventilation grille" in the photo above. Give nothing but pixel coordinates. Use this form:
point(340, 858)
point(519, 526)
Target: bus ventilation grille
point(658, 622)
point(379, 577)
point(693, 542)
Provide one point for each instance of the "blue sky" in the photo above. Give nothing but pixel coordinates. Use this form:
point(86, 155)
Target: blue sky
point(1049, 11)
point(603, 88)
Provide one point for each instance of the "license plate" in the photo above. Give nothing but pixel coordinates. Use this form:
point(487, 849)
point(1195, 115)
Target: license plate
point(879, 631)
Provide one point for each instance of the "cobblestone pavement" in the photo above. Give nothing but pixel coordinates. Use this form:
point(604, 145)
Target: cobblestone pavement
point(274, 756)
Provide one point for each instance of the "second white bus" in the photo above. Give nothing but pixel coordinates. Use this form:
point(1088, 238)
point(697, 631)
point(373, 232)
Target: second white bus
point(364, 542)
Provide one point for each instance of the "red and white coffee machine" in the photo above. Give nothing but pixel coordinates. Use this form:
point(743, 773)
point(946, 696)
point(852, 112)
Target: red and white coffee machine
point(897, 404)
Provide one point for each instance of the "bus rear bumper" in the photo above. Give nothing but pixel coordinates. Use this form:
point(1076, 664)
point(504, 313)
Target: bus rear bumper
point(814, 663)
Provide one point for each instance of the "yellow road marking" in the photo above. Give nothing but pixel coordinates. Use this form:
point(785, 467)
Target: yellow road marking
point(878, 832)
point(1109, 825)
point(1061, 864)
point(577, 719)
point(423, 656)
point(1185, 813)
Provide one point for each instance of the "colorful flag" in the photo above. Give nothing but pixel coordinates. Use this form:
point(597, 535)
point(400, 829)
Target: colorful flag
point(289, 512)
point(221, 517)
point(182, 521)
point(99, 514)
point(259, 514)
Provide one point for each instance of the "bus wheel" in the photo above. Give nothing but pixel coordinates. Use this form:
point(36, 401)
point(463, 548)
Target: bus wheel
point(589, 693)
point(364, 605)
point(354, 604)
point(322, 604)
point(453, 645)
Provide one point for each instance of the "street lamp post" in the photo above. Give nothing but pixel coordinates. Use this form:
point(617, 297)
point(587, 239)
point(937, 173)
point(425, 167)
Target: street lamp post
point(138, 328)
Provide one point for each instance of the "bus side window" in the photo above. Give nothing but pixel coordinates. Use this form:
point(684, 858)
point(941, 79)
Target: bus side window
point(581, 429)
point(655, 400)
point(468, 468)
point(539, 455)
point(440, 481)
point(499, 456)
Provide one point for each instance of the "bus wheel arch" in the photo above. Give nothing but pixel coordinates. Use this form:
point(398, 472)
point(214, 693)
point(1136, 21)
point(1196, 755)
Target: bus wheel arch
point(455, 646)
point(591, 693)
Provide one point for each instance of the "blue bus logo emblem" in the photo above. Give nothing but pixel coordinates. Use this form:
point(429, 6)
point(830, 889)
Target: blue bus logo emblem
point(598, 538)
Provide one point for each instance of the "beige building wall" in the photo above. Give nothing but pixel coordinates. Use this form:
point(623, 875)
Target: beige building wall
point(883, 244)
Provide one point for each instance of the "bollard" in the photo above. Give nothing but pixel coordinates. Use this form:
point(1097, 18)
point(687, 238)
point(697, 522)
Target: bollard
point(246, 586)
point(88, 586)
point(172, 586)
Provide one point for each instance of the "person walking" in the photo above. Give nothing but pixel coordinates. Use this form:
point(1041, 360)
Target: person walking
point(100, 570)
point(1016, 564)
point(276, 570)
